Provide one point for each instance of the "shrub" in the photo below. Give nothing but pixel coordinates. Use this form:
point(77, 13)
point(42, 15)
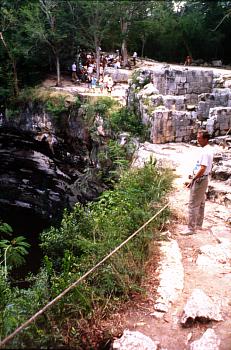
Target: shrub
point(125, 120)
point(90, 232)
point(86, 235)
point(56, 106)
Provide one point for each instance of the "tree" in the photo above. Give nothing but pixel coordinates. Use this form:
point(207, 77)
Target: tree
point(145, 25)
point(44, 23)
point(11, 39)
point(128, 12)
point(93, 23)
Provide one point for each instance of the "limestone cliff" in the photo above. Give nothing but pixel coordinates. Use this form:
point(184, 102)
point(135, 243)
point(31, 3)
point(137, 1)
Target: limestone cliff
point(47, 162)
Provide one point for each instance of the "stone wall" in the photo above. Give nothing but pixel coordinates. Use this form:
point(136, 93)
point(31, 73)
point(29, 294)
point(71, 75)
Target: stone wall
point(206, 101)
point(219, 121)
point(189, 83)
point(168, 126)
point(174, 103)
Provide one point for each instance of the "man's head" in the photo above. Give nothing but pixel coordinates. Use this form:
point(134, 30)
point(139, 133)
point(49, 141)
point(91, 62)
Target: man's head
point(203, 137)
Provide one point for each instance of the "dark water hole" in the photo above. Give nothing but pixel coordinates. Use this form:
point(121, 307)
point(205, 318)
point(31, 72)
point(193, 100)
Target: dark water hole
point(30, 225)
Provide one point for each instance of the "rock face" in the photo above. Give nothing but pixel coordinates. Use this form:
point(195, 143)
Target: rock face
point(118, 75)
point(219, 187)
point(47, 163)
point(174, 102)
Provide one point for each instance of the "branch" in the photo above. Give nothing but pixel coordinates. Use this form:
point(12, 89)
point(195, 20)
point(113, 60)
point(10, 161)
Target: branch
point(227, 15)
point(7, 49)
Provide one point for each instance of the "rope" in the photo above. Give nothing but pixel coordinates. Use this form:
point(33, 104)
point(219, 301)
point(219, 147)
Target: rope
point(41, 311)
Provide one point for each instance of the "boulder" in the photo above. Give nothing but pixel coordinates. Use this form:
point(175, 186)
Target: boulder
point(216, 63)
point(208, 341)
point(200, 307)
point(134, 340)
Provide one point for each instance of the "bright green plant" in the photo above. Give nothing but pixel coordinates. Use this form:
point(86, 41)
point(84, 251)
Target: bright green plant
point(12, 251)
point(113, 160)
point(56, 106)
point(102, 106)
point(5, 228)
point(125, 120)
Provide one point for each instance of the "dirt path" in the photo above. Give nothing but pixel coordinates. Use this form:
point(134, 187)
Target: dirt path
point(211, 273)
point(211, 276)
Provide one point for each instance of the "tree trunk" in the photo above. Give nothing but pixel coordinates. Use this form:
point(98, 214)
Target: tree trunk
point(16, 88)
point(97, 61)
point(58, 83)
point(124, 50)
point(143, 40)
point(186, 46)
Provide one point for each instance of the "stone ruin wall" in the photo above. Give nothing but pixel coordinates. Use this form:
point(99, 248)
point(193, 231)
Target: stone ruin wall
point(176, 102)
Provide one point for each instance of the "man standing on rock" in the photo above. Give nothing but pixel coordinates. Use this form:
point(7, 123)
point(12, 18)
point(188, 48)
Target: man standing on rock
point(198, 184)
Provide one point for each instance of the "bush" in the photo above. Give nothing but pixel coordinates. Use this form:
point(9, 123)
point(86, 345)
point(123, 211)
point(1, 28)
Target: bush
point(56, 106)
point(86, 235)
point(89, 233)
point(125, 120)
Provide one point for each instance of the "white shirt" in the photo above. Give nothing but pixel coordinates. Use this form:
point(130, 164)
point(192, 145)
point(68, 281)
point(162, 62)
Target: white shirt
point(73, 67)
point(205, 158)
point(117, 65)
point(90, 70)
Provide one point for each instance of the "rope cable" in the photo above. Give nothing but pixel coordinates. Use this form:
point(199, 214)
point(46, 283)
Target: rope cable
point(41, 311)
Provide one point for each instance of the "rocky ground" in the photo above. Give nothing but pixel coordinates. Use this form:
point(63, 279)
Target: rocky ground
point(118, 91)
point(197, 265)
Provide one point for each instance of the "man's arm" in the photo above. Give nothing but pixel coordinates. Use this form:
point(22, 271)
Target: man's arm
point(200, 173)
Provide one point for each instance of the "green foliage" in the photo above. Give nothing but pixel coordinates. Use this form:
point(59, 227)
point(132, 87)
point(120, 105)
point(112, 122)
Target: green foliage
point(5, 292)
point(102, 106)
point(89, 232)
point(56, 106)
point(113, 159)
point(5, 228)
point(19, 306)
point(125, 120)
point(16, 250)
point(13, 252)
point(86, 235)
point(77, 102)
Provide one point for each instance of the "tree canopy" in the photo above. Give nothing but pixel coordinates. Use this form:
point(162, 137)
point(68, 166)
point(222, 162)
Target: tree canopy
point(42, 36)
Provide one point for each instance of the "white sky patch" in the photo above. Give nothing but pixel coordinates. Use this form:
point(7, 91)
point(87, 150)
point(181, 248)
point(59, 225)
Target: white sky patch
point(178, 5)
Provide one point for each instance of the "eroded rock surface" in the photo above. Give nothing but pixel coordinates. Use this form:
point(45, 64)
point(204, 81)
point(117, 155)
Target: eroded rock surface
point(171, 275)
point(48, 163)
point(173, 102)
point(208, 341)
point(200, 307)
point(132, 340)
